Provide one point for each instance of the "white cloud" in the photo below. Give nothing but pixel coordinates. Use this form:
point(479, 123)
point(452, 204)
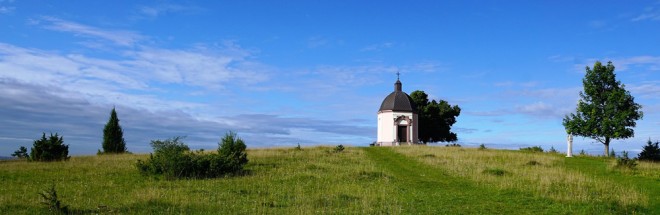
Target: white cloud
point(158, 10)
point(649, 13)
point(6, 9)
point(118, 37)
point(541, 109)
point(109, 80)
point(645, 62)
point(646, 89)
point(377, 47)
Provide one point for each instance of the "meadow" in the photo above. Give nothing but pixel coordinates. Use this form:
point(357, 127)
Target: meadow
point(359, 180)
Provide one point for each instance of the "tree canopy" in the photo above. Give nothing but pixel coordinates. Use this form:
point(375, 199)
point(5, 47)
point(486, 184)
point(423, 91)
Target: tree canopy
point(435, 118)
point(49, 149)
point(651, 152)
point(113, 135)
point(606, 110)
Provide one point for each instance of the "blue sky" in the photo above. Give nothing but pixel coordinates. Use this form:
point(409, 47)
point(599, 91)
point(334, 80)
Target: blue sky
point(314, 72)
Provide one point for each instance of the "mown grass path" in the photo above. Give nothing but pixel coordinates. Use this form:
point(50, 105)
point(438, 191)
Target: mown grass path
point(428, 190)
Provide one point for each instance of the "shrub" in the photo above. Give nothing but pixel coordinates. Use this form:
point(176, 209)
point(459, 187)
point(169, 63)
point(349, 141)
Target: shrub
point(532, 163)
point(233, 149)
point(453, 145)
point(532, 149)
point(625, 162)
point(21, 153)
point(339, 148)
point(651, 152)
point(173, 159)
point(482, 147)
point(612, 153)
point(49, 149)
point(582, 153)
point(495, 172)
point(553, 150)
point(298, 148)
point(50, 199)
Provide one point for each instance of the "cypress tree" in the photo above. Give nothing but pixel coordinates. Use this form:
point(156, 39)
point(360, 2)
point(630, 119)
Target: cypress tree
point(113, 136)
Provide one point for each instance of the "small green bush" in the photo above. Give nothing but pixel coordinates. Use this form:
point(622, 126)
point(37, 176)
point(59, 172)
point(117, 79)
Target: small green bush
point(495, 172)
point(21, 153)
point(612, 153)
point(583, 153)
point(552, 150)
point(625, 162)
point(50, 199)
point(532, 149)
point(49, 149)
point(651, 152)
point(339, 148)
point(298, 148)
point(173, 159)
point(533, 163)
point(453, 145)
point(482, 147)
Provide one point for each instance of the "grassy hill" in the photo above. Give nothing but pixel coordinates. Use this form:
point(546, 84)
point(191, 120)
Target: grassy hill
point(375, 180)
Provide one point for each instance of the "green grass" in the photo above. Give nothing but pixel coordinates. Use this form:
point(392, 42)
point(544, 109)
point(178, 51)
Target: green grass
point(375, 180)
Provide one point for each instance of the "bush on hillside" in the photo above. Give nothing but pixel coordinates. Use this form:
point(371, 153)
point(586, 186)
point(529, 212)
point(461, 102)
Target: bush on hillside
point(453, 145)
point(552, 150)
point(482, 147)
point(532, 149)
point(339, 148)
point(651, 152)
point(52, 202)
point(173, 159)
point(49, 149)
point(21, 153)
point(625, 162)
point(232, 148)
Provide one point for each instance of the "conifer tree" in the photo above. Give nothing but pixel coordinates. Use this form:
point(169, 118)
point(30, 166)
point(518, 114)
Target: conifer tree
point(113, 135)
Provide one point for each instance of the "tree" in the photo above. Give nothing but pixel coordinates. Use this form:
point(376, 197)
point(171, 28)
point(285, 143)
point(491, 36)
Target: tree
point(20, 153)
point(49, 149)
point(233, 148)
point(435, 118)
point(651, 152)
point(606, 110)
point(113, 135)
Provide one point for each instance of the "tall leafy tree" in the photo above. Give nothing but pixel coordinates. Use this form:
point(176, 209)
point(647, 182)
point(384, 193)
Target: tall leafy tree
point(606, 110)
point(435, 118)
point(113, 135)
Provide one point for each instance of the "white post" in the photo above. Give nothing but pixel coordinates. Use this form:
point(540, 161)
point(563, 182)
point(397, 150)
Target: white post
point(569, 151)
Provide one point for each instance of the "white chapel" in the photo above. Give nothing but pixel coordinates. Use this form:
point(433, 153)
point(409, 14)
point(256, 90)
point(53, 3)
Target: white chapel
point(397, 119)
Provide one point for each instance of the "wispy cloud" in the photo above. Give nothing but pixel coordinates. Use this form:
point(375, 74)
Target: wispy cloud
point(118, 37)
point(159, 10)
point(650, 13)
point(643, 62)
point(377, 47)
point(6, 9)
point(543, 110)
point(646, 89)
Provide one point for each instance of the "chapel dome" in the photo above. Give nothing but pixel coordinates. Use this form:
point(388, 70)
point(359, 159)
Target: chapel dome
point(398, 101)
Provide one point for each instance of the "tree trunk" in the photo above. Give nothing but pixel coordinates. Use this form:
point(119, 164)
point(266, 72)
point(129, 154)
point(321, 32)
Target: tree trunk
point(607, 146)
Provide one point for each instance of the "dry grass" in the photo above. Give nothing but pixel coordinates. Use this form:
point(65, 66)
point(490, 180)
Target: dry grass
point(542, 174)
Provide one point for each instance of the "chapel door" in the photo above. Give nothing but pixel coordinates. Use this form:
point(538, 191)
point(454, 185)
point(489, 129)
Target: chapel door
point(402, 134)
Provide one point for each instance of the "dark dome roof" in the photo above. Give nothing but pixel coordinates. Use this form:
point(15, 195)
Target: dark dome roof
point(398, 101)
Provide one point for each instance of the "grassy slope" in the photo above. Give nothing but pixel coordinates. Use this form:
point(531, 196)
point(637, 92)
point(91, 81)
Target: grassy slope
point(407, 180)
